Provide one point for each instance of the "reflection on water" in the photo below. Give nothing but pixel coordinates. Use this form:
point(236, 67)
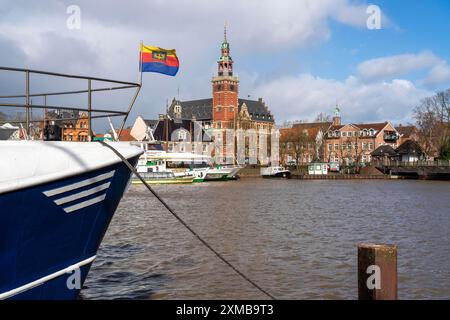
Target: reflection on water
point(297, 239)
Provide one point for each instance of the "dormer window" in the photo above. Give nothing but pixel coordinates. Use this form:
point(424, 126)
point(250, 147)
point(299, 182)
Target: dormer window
point(371, 132)
point(177, 109)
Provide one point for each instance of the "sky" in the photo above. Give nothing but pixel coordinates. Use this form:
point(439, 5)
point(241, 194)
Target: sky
point(301, 56)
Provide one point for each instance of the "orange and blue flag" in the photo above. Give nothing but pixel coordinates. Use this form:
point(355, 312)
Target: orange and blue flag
point(155, 59)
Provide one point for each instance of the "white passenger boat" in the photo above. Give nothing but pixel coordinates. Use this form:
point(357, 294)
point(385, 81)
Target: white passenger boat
point(177, 167)
point(275, 172)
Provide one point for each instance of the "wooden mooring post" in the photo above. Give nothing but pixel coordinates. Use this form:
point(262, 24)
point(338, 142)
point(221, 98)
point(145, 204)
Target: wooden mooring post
point(377, 272)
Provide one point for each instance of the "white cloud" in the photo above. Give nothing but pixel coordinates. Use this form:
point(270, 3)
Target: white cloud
point(255, 23)
point(381, 68)
point(439, 74)
point(404, 64)
point(304, 96)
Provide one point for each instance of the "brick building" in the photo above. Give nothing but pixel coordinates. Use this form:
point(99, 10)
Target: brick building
point(334, 142)
point(302, 143)
point(74, 125)
point(407, 133)
point(77, 130)
point(353, 143)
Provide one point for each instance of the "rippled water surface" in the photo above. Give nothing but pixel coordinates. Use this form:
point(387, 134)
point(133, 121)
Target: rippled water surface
point(297, 239)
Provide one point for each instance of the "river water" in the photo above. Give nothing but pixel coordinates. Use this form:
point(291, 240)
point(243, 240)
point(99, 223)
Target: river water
point(297, 239)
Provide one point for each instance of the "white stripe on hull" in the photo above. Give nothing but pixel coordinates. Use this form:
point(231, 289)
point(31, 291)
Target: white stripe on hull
point(80, 184)
point(85, 204)
point(82, 194)
point(28, 286)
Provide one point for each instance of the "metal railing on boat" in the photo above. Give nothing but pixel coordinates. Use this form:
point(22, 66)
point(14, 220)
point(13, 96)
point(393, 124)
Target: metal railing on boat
point(117, 85)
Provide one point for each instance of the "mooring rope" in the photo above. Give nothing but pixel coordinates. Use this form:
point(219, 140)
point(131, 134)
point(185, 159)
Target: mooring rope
point(206, 244)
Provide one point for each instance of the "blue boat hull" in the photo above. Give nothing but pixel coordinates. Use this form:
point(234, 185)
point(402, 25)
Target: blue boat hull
point(50, 233)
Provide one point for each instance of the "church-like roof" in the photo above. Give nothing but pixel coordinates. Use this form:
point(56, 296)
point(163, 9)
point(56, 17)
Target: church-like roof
point(410, 147)
point(202, 109)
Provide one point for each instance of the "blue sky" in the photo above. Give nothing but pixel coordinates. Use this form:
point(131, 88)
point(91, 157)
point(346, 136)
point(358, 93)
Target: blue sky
point(301, 57)
point(414, 26)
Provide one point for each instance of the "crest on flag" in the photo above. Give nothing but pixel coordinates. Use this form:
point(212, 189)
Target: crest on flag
point(159, 55)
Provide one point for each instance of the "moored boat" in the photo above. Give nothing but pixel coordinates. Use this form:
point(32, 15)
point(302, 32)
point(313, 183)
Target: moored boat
point(233, 175)
point(217, 173)
point(275, 172)
point(222, 173)
point(199, 173)
point(57, 200)
point(163, 178)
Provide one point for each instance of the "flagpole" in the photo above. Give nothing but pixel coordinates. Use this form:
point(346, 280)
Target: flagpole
point(135, 94)
point(140, 61)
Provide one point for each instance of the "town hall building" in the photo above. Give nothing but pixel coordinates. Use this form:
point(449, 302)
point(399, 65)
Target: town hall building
point(224, 110)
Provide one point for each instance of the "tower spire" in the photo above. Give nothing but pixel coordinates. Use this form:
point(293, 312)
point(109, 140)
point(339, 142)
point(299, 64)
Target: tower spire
point(225, 32)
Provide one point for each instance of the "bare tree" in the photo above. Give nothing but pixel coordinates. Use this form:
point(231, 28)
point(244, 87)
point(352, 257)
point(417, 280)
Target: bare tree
point(294, 143)
point(433, 122)
point(322, 117)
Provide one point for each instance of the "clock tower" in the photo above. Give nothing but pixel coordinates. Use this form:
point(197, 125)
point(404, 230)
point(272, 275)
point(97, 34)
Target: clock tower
point(225, 89)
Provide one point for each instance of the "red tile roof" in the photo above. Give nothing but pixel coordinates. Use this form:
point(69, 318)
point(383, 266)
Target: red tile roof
point(125, 135)
point(310, 129)
point(376, 126)
point(406, 131)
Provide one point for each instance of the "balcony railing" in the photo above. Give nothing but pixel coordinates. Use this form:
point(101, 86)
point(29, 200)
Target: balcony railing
point(390, 137)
